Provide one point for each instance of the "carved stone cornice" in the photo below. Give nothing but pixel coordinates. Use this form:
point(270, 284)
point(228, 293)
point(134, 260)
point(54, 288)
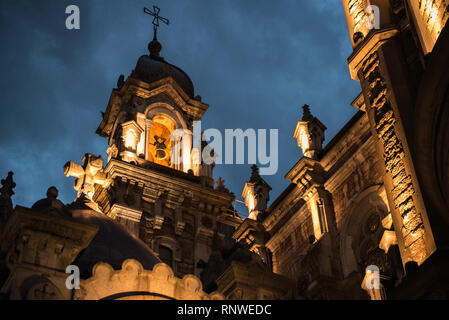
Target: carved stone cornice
point(27, 229)
point(307, 173)
point(204, 234)
point(241, 276)
point(370, 44)
point(247, 227)
point(134, 87)
point(125, 212)
point(177, 187)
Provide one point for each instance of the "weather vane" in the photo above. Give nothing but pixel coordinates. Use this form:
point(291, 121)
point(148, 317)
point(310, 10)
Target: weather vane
point(157, 17)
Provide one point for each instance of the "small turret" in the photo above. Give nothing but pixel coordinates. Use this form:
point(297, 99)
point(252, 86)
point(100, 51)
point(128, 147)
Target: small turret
point(309, 133)
point(256, 194)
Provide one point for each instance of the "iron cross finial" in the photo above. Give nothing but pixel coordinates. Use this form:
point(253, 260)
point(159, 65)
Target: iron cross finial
point(157, 17)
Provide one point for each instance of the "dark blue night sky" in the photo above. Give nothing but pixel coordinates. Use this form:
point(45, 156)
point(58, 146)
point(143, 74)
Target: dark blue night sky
point(254, 62)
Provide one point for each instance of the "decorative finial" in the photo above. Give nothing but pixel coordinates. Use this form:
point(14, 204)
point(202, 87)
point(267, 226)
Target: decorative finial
point(52, 192)
point(306, 115)
point(154, 46)
point(220, 185)
point(5, 199)
point(120, 81)
point(88, 175)
point(8, 185)
point(254, 173)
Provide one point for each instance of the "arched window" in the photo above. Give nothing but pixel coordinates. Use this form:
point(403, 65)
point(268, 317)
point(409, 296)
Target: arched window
point(159, 143)
point(166, 255)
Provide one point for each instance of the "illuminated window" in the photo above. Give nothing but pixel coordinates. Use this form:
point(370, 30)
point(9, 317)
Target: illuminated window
point(304, 141)
point(322, 216)
point(160, 144)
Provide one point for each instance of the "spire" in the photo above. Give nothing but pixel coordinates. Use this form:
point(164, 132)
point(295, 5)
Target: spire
point(255, 174)
point(306, 115)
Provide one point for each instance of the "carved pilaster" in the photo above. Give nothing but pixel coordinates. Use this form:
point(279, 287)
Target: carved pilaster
point(158, 215)
point(148, 125)
point(408, 212)
point(179, 222)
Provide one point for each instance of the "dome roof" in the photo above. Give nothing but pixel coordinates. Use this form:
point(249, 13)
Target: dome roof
point(112, 243)
point(153, 67)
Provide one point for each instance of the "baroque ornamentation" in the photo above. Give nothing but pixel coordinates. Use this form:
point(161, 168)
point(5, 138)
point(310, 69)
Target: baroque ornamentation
point(394, 157)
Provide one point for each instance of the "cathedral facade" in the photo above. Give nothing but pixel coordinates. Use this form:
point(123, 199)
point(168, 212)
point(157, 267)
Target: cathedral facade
point(364, 217)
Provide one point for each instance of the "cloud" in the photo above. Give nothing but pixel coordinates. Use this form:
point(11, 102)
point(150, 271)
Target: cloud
point(255, 62)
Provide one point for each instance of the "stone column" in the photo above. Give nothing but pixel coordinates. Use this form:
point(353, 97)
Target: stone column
point(186, 151)
point(176, 158)
point(148, 125)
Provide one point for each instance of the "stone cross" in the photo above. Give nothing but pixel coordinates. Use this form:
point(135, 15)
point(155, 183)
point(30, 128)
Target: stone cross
point(88, 175)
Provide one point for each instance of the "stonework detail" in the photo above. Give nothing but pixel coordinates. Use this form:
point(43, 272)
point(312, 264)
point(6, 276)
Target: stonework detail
point(403, 191)
point(356, 9)
point(154, 224)
point(88, 175)
point(435, 13)
point(134, 282)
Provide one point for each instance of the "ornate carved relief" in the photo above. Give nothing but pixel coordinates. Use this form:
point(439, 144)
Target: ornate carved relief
point(132, 282)
point(394, 157)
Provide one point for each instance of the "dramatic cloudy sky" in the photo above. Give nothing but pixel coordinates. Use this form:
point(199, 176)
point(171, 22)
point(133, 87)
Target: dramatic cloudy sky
point(254, 62)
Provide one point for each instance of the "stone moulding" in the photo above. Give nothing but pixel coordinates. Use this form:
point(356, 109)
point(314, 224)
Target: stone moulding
point(133, 282)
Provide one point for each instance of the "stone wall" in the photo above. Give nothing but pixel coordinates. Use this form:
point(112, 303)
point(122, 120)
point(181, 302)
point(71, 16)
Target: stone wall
point(435, 13)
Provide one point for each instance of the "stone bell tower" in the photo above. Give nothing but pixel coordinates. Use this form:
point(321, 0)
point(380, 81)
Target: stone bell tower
point(158, 187)
point(390, 41)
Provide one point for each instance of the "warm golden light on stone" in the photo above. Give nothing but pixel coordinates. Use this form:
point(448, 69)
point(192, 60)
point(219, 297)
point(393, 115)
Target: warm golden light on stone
point(159, 284)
